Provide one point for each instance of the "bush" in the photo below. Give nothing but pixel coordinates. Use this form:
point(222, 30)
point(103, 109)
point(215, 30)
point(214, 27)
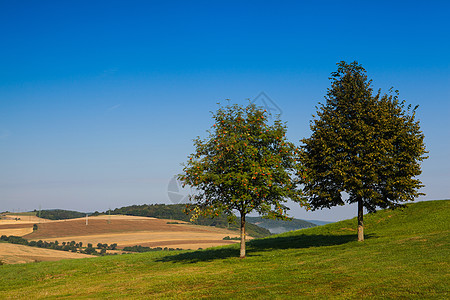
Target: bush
point(139, 248)
point(17, 240)
point(90, 250)
point(227, 238)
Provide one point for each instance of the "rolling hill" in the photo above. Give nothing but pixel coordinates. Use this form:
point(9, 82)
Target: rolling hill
point(405, 255)
point(280, 226)
point(122, 230)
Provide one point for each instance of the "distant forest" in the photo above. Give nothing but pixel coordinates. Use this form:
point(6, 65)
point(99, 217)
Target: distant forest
point(176, 212)
point(60, 214)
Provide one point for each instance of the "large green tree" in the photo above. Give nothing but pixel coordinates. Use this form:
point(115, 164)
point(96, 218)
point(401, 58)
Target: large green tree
point(365, 148)
point(244, 165)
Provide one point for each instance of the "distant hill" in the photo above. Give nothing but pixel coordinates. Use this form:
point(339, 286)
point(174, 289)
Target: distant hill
point(318, 222)
point(176, 212)
point(280, 226)
point(60, 214)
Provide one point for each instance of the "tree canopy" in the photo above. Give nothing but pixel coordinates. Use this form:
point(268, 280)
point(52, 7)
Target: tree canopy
point(244, 165)
point(367, 145)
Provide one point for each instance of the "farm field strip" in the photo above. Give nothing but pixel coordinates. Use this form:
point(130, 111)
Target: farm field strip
point(20, 219)
point(155, 238)
point(121, 230)
point(16, 231)
point(14, 254)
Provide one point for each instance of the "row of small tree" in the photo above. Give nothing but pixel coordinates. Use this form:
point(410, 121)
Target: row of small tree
point(139, 248)
point(365, 148)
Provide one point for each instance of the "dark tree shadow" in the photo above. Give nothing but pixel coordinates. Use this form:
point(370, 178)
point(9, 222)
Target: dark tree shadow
point(259, 245)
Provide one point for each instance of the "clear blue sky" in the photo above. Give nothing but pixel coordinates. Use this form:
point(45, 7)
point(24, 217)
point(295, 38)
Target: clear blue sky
point(100, 101)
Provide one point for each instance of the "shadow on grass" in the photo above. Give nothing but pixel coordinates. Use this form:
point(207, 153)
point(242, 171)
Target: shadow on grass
point(259, 245)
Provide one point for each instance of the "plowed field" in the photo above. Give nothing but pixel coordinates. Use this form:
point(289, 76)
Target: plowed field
point(122, 230)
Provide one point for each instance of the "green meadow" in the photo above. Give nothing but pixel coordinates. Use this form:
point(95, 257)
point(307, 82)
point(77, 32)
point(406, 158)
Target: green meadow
point(405, 255)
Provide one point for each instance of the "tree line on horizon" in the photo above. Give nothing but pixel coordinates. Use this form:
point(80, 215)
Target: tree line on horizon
point(60, 214)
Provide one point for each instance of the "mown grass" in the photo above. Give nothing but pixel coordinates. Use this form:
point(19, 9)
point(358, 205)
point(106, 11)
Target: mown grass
point(405, 255)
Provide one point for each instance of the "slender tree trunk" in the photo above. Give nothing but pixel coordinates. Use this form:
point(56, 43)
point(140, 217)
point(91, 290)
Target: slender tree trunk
point(242, 255)
point(360, 221)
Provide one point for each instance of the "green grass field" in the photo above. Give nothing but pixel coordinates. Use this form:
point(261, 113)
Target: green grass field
point(405, 255)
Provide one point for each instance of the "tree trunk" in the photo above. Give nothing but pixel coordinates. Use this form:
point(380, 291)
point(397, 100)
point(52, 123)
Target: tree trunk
point(242, 255)
point(360, 220)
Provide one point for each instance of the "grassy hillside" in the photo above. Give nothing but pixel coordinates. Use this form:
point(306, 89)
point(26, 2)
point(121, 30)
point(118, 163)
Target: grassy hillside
point(405, 255)
point(280, 226)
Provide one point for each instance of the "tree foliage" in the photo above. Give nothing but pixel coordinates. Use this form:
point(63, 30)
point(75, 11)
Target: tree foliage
point(244, 165)
point(60, 214)
point(367, 145)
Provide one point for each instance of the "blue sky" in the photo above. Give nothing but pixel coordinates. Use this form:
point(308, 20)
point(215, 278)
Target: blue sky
point(100, 101)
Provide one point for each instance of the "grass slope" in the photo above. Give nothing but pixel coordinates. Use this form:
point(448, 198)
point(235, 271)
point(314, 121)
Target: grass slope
point(405, 255)
point(279, 226)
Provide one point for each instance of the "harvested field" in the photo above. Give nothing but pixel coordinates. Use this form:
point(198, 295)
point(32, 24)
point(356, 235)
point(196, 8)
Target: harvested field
point(16, 231)
point(119, 224)
point(21, 219)
point(184, 240)
point(16, 254)
point(130, 231)
point(122, 230)
point(19, 225)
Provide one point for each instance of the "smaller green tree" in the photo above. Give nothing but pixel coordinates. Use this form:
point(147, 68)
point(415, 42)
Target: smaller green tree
point(244, 165)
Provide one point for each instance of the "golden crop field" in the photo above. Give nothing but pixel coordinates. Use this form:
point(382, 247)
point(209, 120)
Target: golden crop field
point(122, 230)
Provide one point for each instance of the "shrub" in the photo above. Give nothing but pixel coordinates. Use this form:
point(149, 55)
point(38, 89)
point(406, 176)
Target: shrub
point(90, 250)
